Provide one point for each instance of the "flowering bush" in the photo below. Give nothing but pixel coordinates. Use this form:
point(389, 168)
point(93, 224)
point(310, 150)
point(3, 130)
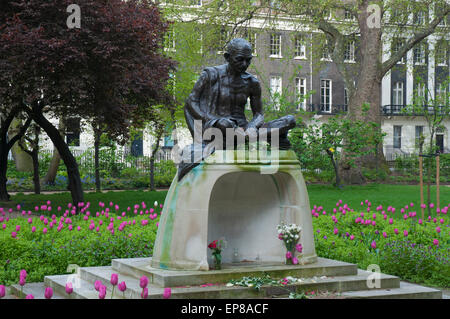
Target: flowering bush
point(408, 247)
point(290, 235)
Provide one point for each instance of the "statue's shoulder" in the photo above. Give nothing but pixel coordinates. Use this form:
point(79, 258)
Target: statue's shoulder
point(214, 72)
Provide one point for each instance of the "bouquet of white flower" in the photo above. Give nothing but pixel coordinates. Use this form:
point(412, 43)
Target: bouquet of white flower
point(290, 235)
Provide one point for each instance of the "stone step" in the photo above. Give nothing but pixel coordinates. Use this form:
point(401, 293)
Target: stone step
point(82, 289)
point(37, 289)
point(221, 291)
point(405, 291)
point(138, 267)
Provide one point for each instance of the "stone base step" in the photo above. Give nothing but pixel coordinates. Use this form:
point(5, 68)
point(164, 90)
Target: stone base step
point(138, 267)
point(405, 291)
point(220, 291)
point(37, 289)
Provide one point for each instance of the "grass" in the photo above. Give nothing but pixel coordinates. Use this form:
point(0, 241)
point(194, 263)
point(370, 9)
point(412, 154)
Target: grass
point(321, 195)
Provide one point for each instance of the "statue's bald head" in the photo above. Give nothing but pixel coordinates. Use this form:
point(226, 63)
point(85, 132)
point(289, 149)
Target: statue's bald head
point(239, 45)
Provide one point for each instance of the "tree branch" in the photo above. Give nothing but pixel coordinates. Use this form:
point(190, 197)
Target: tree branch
point(19, 135)
point(418, 36)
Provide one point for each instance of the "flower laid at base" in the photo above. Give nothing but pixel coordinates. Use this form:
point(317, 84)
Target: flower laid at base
point(290, 235)
point(216, 247)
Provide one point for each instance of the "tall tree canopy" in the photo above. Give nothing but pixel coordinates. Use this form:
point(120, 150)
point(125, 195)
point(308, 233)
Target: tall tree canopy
point(111, 68)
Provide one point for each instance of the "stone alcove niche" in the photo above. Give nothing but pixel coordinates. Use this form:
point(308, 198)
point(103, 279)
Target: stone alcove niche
point(245, 209)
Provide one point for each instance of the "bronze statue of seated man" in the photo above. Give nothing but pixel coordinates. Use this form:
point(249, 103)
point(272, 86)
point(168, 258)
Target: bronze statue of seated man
point(218, 101)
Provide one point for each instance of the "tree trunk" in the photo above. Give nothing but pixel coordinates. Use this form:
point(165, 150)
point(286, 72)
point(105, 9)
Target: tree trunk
point(73, 174)
point(4, 196)
point(50, 177)
point(36, 181)
point(368, 93)
point(22, 160)
point(336, 168)
point(97, 135)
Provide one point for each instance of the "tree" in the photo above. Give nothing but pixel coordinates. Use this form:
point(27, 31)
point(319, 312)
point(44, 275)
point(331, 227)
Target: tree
point(337, 135)
point(53, 70)
point(339, 23)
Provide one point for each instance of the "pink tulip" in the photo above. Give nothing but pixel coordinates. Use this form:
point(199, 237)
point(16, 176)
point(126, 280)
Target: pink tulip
point(144, 293)
point(299, 248)
point(33, 229)
point(391, 221)
point(288, 255)
point(436, 242)
point(4, 226)
point(69, 288)
point(114, 279)
point(18, 228)
point(352, 237)
point(336, 231)
point(295, 260)
point(2, 291)
point(30, 296)
point(405, 233)
point(48, 293)
point(97, 284)
point(13, 234)
point(396, 231)
point(44, 230)
point(102, 292)
point(438, 229)
point(78, 228)
point(143, 282)
point(373, 245)
point(441, 220)
point(384, 234)
point(167, 293)
point(420, 221)
point(122, 286)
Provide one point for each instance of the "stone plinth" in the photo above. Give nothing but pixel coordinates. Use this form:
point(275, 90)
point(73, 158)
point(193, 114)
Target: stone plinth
point(241, 199)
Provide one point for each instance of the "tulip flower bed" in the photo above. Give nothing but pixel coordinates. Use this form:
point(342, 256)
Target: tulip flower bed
point(92, 237)
point(406, 246)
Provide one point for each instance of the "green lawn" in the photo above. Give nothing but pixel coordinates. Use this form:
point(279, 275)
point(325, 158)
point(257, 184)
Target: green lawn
point(321, 195)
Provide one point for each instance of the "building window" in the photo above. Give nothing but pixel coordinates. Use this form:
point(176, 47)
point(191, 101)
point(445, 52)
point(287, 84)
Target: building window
point(250, 36)
point(326, 52)
point(73, 129)
point(441, 97)
point(397, 44)
point(325, 95)
point(420, 17)
point(419, 132)
point(348, 15)
point(419, 53)
point(441, 53)
point(197, 3)
point(275, 45)
point(397, 136)
point(300, 85)
point(300, 48)
point(421, 94)
point(275, 91)
point(397, 94)
point(349, 54)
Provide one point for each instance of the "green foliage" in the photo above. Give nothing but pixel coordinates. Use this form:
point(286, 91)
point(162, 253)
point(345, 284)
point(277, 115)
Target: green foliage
point(50, 254)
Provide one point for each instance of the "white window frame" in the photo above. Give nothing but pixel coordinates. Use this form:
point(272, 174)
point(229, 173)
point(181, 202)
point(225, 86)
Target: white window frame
point(398, 88)
point(300, 86)
point(299, 47)
point(348, 13)
point(327, 51)
point(326, 107)
point(421, 92)
point(397, 137)
point(251, 38)
point(350, 48)
point(398, 42)
point(441, 47)
point(276, 89)
point(273, 45)
point(422, 50)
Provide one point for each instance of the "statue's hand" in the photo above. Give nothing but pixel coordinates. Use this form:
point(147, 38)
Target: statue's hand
point(225, 123)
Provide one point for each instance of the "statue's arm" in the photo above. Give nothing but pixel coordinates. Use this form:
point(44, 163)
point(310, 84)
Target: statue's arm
point(256, 105)
point(193, 101)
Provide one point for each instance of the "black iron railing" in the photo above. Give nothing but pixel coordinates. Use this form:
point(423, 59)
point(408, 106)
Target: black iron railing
point(326, 109)
point(402, 110)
